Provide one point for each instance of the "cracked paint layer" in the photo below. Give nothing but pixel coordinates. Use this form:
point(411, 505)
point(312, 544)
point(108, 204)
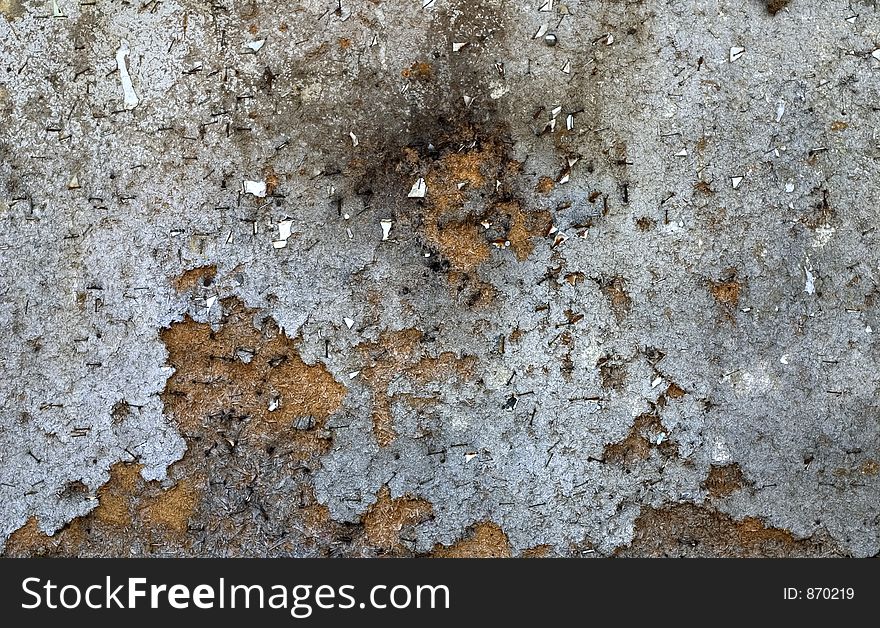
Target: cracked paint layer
point(372, 278)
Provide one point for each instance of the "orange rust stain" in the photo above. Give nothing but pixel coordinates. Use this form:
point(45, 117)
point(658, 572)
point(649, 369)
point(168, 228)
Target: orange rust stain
point(272, 181)
point(114, 498)
point(539, 551)
point(642, 438)
point(485, 540)
point(203, 275)
point(174, 507)
point(674, 391)
point(726, 291)
point(524, 228)
point(545, 185)
point(457, 230)
point(386, 518)
point(419, 71)
point(839, 125)
point(242, 367)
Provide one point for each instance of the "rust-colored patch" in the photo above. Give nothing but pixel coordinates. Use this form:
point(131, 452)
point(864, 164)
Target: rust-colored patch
point(28, 540)
point(344, 43)
point(870, 467)
point(614, 289)
point(727, 290)
point(219, 396)
point(401, 354)
point(200, 276)
point(458, 237)
point(484, 540)
point(468, 207)
point(704, 188)
point(387, 517)
point(419, 71)
point(545, 185)
point(674, 391)
point(272, 181)
point(687, 530)
point(114, 498)
point(724, 480)
point(524, 227)
point(129, 509)
point(539, 551)
point(174, 507)
point(646, 431)
point(258, 372)
point(839, 125)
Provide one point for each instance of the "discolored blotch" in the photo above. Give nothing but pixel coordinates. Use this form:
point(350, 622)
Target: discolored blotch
point(775, 6)
point(484, 540)
point(173, 508)
point(674, 391)
point(199, 276)
point(116, 496)
point(130, 511)
point(647, 433)
point(524, 227)
point(727, 290)
point(612, 372)
point(258, 372)
point(545, 185)
point(402, 354)
point(386, 519)
point(614, 289)
point(688, 530)
point(12, 9)
point(724, 480)
point(538, 551)
point(419, 71)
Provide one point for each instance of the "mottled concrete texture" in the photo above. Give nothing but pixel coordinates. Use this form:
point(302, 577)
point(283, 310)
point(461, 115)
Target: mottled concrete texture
point(446, 277)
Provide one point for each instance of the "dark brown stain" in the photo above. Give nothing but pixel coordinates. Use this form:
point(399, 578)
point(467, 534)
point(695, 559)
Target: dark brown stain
point(688, 530)
point(724, 480)
point(612, 372)
point(641, 440)
point(775, 6)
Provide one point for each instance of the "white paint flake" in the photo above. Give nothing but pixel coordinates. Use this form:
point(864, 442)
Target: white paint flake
point(386, 228)
point(419, 189)
point(255, 188)
point(129, 97)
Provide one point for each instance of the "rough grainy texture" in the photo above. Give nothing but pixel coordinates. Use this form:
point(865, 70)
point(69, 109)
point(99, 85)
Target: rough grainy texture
point(398, 278)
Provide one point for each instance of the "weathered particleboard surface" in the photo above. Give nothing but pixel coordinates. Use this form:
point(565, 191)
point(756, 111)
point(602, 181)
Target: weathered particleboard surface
point(373, 277)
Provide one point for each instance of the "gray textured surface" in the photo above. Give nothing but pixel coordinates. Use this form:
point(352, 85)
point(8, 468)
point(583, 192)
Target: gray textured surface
point(782, 382)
